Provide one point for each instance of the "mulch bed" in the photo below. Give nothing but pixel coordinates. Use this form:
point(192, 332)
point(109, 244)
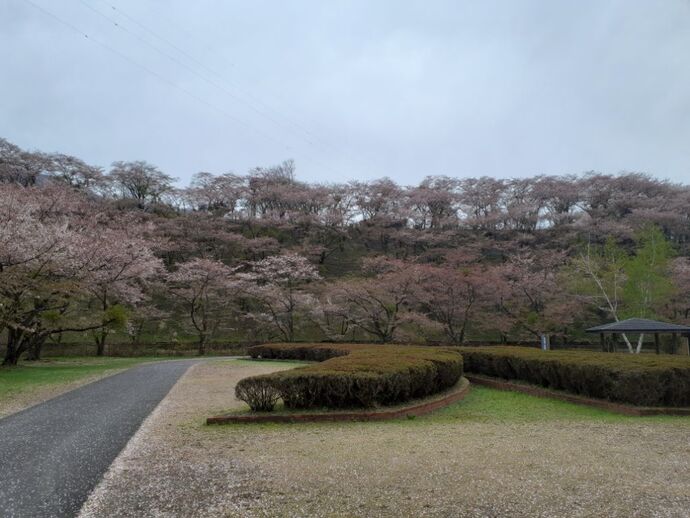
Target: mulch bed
point(416, 408)
point(534, 390)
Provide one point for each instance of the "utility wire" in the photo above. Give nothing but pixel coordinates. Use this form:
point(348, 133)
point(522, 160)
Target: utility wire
point(277, 98)
point(155, 74)
point(193, 71)
point(174, 59)
point(199, 63)
point(169, 82)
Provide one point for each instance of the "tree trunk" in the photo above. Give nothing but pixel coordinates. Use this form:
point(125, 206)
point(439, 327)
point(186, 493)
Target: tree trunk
point(627, 342)
point(461, 338)
point(100, 343)
point(202, 344)
point(36, 346)
point(11, 355)
point(15, 347)
point(103, 331)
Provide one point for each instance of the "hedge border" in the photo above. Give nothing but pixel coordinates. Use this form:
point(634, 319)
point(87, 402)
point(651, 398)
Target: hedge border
point(602, 404)
point(419, 408)
point(635, 380)
point(345, 376)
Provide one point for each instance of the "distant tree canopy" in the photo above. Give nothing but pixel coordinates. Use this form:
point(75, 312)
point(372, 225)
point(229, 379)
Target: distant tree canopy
point(263, 256)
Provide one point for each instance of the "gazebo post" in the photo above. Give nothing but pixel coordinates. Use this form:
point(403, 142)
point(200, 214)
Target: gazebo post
point(674, 347)
point(602, 340)
point(656, 342)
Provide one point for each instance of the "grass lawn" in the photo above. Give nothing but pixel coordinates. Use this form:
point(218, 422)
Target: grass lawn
point(484, 405)
point(495, 453)
point(32, 382)
point(267, 363)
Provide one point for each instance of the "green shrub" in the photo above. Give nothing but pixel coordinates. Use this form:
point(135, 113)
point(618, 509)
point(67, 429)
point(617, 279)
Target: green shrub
point(352, 375)
point(642, 379)
point(259, 392)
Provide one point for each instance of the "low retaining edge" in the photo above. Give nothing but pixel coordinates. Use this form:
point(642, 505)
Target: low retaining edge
point(417, 409)
point(535, 390)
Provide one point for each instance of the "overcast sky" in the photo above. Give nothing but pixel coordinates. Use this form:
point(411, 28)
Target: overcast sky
point(353, 89)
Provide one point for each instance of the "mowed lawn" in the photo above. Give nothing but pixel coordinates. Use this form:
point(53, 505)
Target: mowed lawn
point(33, 382)
point(494, 454)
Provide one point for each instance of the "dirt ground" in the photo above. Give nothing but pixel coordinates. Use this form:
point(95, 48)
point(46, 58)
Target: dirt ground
point(432, 466)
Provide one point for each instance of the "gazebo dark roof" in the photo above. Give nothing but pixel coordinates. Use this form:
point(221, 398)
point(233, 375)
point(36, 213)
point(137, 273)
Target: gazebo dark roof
point(639, 325)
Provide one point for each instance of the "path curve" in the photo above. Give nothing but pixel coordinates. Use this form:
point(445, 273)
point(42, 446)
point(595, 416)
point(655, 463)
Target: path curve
point(53, 454)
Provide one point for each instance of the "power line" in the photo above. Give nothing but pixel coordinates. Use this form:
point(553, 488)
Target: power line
point(213, 72)
point(169, 82)
point(325, 144)
point(172, 58)
point(153, 73)
point(192, 70)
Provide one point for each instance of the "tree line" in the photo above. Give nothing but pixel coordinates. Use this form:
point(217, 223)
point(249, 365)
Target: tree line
point(264, 256)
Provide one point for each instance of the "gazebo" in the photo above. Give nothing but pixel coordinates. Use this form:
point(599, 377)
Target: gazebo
point(640, 325)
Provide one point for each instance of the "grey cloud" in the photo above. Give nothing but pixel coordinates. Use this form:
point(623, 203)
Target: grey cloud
point(357, 89)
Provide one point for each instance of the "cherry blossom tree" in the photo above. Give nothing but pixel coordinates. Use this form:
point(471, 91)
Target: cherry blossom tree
point(216, 193)
point(77, 251)
point(278, 284)
point(18, 166)
point(434, 202)
point(531, 295)
point(44, 263)
point(144, 315)
point(453, 294)
point(381, 303)
point(140, 181)
point(480, 201)
point(121, 265)
point(206, 289)
point(73, 171)
point(378, 199)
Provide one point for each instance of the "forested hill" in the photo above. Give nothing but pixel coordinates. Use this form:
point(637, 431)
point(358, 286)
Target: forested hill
point(127, 253)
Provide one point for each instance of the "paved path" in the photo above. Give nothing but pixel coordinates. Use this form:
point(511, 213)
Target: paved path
point(53, 454)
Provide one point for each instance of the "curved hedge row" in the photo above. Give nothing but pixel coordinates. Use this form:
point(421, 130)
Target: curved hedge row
point(350, 375)
point(640, 379)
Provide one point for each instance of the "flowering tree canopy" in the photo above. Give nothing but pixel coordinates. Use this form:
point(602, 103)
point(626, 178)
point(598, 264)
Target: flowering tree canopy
point(206, 288)
point(277, 285)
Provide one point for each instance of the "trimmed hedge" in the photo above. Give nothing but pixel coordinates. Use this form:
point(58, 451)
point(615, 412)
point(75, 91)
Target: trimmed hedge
point(352, 375)
point(640, 379)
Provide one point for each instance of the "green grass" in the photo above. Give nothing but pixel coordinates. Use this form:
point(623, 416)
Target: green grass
point(490, 405)
point(57, 371)
point(269, 363)
point(481, 405)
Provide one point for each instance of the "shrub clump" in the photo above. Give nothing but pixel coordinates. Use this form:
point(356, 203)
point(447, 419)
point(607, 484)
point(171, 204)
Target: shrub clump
point(643, 380)
point(259, 392)
point(356, 375)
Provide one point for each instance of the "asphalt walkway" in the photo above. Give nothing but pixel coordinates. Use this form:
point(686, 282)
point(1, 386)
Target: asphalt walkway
point(53, 454)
